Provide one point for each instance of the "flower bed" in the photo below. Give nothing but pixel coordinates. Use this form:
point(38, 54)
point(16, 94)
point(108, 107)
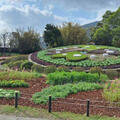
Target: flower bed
point(62, 91)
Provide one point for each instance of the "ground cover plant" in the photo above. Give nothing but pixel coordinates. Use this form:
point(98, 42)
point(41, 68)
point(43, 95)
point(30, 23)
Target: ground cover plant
point(112, 91)
point(8, 93)
point(13, 83)
point(59, 78)
point(105, 61)
point(15, 61)
point(18, 75)
point(62, 91)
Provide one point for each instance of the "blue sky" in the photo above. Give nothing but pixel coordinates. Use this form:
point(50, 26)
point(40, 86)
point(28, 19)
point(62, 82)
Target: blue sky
point(38, 13)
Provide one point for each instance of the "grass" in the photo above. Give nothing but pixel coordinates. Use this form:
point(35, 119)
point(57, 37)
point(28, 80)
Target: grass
point(59, 78)
point(41, 113)
point(18, 75)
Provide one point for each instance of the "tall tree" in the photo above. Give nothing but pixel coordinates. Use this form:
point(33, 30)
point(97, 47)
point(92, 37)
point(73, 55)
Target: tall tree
point(4, 40)
point(25, 41)
point(73, 34)
point(52, 36)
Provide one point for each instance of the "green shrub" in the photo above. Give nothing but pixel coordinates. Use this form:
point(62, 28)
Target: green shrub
point(8, 93)
point(58, 56)
point(112, 91)
point(50, 69)
point(7, 75)
point(16, 58)
point(70, 57)
point(37, 68)
point(26, 65)
point(59, 78)
point(13, 83)
point(62, 91)
point(112, 74)
point(63, 68)
point(78, 69)
point(96, 70)
point(16, 63)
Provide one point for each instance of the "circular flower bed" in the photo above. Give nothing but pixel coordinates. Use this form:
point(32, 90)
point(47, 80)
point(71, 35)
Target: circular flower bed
point(80, 56)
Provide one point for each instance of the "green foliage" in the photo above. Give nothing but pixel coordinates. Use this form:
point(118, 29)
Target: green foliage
point(107, 32)
point(116, 37)
point(96, 70)
point(58, 56)
point(62, 91)
point(102, 36)
point(78, 69)
point(63, 68)
point(112, 91)
point(8, 93)
point(37, 68)
point(52, 36)
point(73, 34)
point(59, 78)
point(86, 63)
point(7, 75)
point(13, 83)
point(15, 58)
point(26, 65)
point(112, 74)
point(50, 69)
point(25, 41)
point(70, 57)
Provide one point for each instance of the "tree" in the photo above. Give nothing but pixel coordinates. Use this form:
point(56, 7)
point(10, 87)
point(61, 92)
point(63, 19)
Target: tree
point(116, 37)
point(52, 36)
point(102, 36)
point(4, 40)
point(107, 31)
point(73, 34)
point(25, 41)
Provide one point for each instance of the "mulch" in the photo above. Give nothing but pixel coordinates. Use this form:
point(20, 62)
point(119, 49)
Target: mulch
point(75, 103)
point(41, 62)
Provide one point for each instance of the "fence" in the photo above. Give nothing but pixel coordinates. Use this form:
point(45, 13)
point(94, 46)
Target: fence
point(71, 104)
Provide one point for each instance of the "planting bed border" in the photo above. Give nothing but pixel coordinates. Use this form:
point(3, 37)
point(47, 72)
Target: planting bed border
point(33, 58)
point(75, 103)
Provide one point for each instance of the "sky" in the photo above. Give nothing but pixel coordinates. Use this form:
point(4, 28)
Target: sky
point(37, 13)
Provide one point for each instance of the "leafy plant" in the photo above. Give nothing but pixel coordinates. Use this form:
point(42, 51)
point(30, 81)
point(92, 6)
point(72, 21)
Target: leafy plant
point(59, 78)
point(112, 91)
point(112, 74)
point(8, 93)
point(37, 68)
point(13, 83)
point(26, 65)
point(50, 69)
point(62, 91)
point(7, 75)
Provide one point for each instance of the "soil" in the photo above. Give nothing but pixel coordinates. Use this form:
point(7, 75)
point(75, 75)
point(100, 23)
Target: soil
point(75, 103)
point(41, 62)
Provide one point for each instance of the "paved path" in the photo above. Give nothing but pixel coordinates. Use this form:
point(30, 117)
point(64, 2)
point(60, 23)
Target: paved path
point(5, 117)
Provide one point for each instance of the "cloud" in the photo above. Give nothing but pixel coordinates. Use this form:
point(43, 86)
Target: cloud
point(38, 13)
point(12, 16)
point(91, 5)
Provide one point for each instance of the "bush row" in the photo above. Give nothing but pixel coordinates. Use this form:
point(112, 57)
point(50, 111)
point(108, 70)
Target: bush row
point(13, 83)
point(60, 78)
point(17, 75)
point(62, 91)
